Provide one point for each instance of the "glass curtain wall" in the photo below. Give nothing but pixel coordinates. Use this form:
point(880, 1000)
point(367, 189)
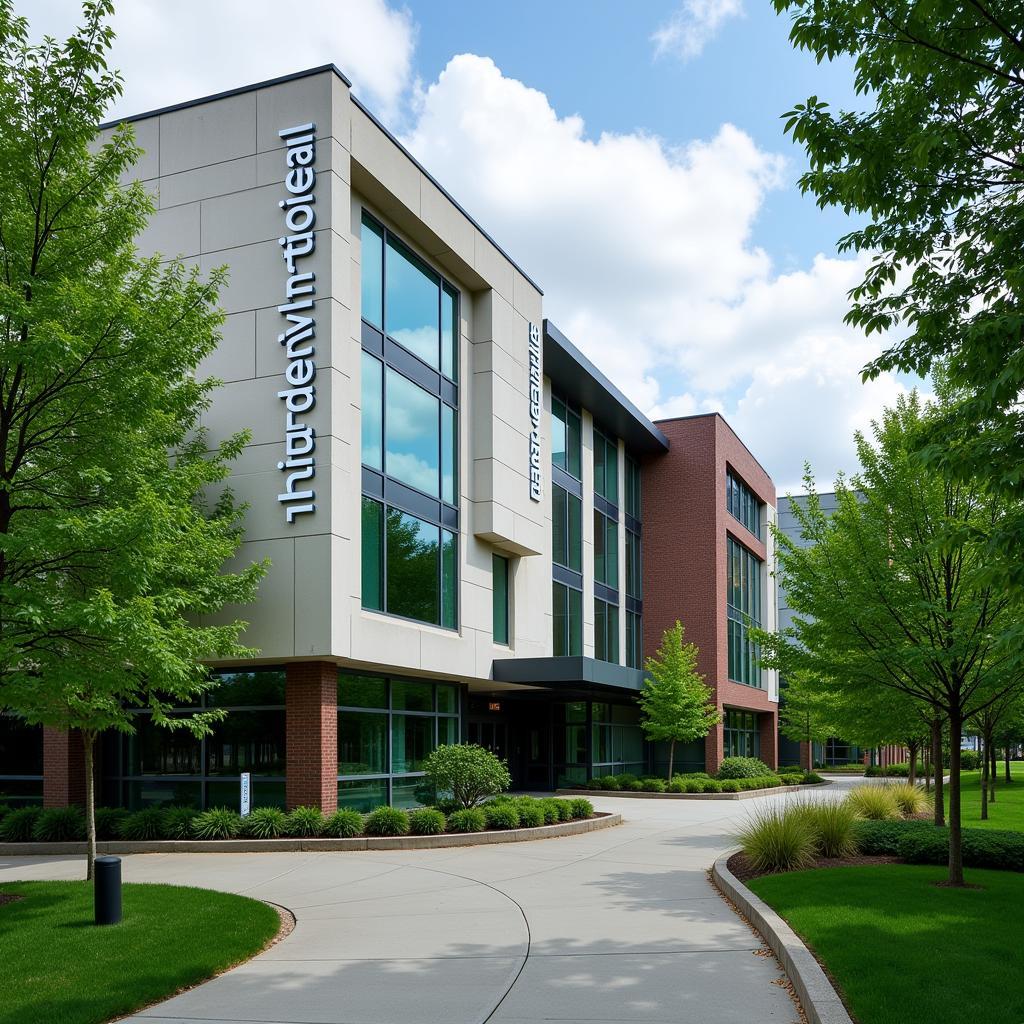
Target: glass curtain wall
point(386, 728)
point(740, 734)
point(21, 762)
point(618, 740)
point(634, 567)
point(742, 503)
point(606, 548)
point(567, 529)
point(410, 400)
point(743, 600)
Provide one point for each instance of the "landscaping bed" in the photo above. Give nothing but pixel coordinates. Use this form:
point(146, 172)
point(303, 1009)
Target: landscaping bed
point(59, 968)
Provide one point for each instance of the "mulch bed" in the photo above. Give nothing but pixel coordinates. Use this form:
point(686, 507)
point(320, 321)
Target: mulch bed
point(10, 897)
point(741, 867)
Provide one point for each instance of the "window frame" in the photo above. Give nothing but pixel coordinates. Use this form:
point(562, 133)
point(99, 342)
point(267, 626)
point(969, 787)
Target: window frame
point(500, 600)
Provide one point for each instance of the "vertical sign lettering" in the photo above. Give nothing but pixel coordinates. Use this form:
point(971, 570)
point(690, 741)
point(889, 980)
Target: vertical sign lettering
point(536, 391)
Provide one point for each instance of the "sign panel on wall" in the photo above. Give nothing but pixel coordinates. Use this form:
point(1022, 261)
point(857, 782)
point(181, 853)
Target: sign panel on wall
point(536, 401)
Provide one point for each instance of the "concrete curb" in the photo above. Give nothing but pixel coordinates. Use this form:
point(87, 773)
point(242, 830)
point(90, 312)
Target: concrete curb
point(817, 995)
point(748, 795)
point(601, 820)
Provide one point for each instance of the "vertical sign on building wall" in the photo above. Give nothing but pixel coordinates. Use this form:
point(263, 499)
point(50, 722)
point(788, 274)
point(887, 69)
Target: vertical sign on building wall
point(245, 799)
point(299, 313)
point(536, 393)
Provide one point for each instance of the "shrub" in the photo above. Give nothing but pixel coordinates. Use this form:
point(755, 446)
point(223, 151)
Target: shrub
point(108, 821)
point(17, 826)
point(501, 816)
point(743, 768)
point(982, 848)
point(305, 822)
point(550, 809)
point(909, 799)
point(710, 786)
point(427, 821)
point(875, 803)
point(728, 786)
point(690, 775)
point(581, 808)
point(265, 823)
point(564, 808)
point(833, 826)
point(872, 771)
point(970, 760)
point(177, 822)
point(792, 778)
point(387, 821)
point(654, 786)
point(59, 825)
point(596, 784)
point(344, 823)
point(882, 838)
point(5, 809)
point(626, 779)
point(635, 786)
point(217, 823)
point(777, 839)
point(811, 778)
point(469, 819)
point(530, 814)
point(676, 786)
point(761, 782)
point(143, 826)
point(467, 771)
point(611, 783)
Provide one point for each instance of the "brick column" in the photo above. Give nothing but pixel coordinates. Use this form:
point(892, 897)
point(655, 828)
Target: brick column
point(63, 768)
point(311, 721)
point(768, 728)
point(714, 747)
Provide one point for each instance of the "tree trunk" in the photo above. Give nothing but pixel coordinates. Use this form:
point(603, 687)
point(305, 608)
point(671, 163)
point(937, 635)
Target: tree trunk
point(1006, 754)
point(983, 744)
point(993, 769)
point(88, 741)
point(956, 853)
point(912, 749)
point(940, 810)
point(671, 757)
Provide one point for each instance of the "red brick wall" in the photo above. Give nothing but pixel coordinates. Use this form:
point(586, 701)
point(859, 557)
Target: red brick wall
point(64, 768)
point(311, 715)
point(685, 525)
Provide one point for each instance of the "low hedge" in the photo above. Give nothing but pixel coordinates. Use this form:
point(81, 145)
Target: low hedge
point(920, 842)
point(743, 768)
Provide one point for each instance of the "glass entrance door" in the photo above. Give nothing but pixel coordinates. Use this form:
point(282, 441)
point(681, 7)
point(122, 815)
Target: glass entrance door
point(491, 735)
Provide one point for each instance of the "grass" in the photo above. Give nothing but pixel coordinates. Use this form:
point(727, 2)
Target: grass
point(56, 967)
point(904, 951)
point(1008, 810)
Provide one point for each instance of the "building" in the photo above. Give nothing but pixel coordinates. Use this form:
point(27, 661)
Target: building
point(455, 502)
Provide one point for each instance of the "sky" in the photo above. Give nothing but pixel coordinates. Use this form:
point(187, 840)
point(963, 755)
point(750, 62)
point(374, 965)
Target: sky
point(629, 157)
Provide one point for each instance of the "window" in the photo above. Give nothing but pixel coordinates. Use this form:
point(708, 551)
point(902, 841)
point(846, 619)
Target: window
point(606, 550)
point(617, 739)
point(21, 762)
point(634, 640)
point(742, 504)
point(741, 737)
point(606, 631)
point(606, 467)
point(499, 592)
point(632, 487)
point(634, 573)
point(567, 606)
point(565, 437)
point(743, 600)
point(386, 728)
point(566, 529)
point(410, 428)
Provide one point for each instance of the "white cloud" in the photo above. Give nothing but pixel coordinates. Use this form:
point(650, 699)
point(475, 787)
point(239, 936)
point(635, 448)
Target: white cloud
point(645, 254)
point(169, 52)
point(693, 26)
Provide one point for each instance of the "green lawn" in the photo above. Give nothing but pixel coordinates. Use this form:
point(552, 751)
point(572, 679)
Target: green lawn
point(905, 952)
point(1008, 810)
point(56, 967)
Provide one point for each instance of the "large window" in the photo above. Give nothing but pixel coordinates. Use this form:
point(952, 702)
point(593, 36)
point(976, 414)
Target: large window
point(565, 437)
point(386, 729)
point(743, 600)
point(634, 640)
point(606, 631)
point(632, 488)
point(606, 550)
point(156, 765)
point(741, 737)
point(566, 529)
point(742, 503)
point(409, 433)
point(567, 606)
point(606, 467)
point(634, 566)
point(617, 739)
point(21, 762)
point(499, 598)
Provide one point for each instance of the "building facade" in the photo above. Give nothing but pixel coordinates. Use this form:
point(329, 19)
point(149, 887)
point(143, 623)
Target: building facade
point(458, 508)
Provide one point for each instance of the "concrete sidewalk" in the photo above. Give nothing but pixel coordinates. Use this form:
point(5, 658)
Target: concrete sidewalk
point(614, 926)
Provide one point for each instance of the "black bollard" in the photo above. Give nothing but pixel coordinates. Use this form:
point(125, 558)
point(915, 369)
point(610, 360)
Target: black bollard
point(107, 889)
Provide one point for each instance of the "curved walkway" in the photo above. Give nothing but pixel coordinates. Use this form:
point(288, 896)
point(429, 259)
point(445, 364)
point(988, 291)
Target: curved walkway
point(614, 926)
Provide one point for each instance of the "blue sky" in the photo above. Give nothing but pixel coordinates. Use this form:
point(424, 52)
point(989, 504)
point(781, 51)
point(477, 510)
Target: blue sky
point(629, 156)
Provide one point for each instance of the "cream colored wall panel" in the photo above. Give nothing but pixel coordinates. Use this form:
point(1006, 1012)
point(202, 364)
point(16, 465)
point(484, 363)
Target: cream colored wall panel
point(341, 255)
point(292, 103)
point(206, 182)
point(494, 268)
point(489, 357)
point(270, 353)
point(447, 653)
point(313, 607)
point(171, 233)
point(147, 137)
point(528, 302)
point(235, 357)
point(447, 221)
point(241, 218)
point(256, 275)
point(532, 534)
point(207, 134)
point(377, 638)
point(476, 606)
point(385, 162)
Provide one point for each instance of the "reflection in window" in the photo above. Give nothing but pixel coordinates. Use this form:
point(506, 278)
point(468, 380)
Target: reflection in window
point(372, 272)
point(449, 456)
point(412, 738)
point(413, 566)
point(567, 608)
point(606, 631)
point(566, 529)
point(606, 550)
point(565, 437)
point(412, 434)
point(606, 467)
point(362, 743)
point(449, 333)
point(373, 554)
point(743, 607)
point(499, 599)
point(634, 640)
point(247, 741)
point(373, 412)
point(411, 299)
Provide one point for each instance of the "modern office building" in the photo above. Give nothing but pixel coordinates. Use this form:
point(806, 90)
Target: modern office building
point(472, 533)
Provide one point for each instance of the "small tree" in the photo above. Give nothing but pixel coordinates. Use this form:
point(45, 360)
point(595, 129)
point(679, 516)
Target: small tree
point(676, 703)
point(806, 712)
point(467, 771)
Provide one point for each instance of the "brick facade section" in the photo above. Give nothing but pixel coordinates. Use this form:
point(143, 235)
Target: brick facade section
point(311, 717)
point(685, 526)
point(64, 768)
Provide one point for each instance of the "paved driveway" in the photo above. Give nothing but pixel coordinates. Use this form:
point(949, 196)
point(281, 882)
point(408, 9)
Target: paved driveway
point(614, 926)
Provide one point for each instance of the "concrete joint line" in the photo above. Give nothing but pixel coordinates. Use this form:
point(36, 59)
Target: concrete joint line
point(749, 794)
point(817, 995)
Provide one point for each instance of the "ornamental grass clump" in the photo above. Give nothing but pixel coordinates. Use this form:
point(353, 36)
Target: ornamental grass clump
point(564, 808)
point(777, 838)
point(17, 826)
point(59, 825)
point(177, 822)
point(833, 826)
point(531, 814)
point(305, 822)
point(427, 821)
point(387, 821)
point(550, 809)
point(143, 825)
point(469, 819)
point(910, 799)
point(265, 823)
point(344, 823)
point(581, 808)
point(108, 821)
point(217, 823)
point(875, 803)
